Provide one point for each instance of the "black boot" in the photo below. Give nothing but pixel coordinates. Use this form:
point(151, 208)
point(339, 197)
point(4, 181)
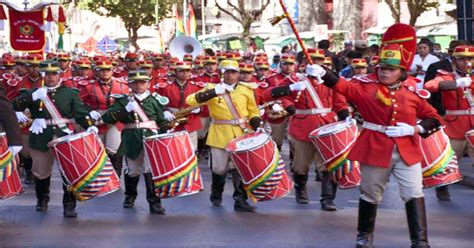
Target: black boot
point(203, 149)
point(42, 194)
point(366, 224)
point(153, 200)
point(116, 161)
point(69, 204)
point(301, 195)
point(328, 192)
point(240, 196)
point(217, 187)
point(416, 217)
point(28, 164)
point(317, 178)
point(130, 190)
point(442, 193)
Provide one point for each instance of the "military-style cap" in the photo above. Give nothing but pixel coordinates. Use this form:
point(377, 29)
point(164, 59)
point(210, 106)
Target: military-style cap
point(229, 65)
point(139, 75)
point(316, 53)
point(358, 63)
point(103, 64)
point(49, 66)
point(463, 51)
point(145, 64)
point(246, 68)
point(182, 65)
point(34, 59)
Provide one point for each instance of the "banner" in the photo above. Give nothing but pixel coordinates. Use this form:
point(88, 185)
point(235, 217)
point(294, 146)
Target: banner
point(191, 26)
point(26, 32)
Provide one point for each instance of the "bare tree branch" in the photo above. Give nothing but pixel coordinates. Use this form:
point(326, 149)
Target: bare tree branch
point(234, 7)
point(227, 12)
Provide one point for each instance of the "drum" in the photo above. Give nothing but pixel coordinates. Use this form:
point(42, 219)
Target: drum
point(84, 165)
point(439, 164)
point(334, 142)
point(470, 137)
point(174, 165)
point(258, 161)
point(10, 183)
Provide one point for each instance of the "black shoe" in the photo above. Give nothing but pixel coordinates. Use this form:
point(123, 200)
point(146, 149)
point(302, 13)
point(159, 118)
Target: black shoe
point(157, 208)
point(70, 213)
point(328, 192)
point(42, 206)
point(130, 190)
point(42, 194)
point(69, 203)
point(217, 188)
point(442, 193)
point(301, 195)
point(29, 178)
point(417, 224)
point(153, 200)
point(243, 206)
point(366, 224)
point(317, 178)
point(328, 205)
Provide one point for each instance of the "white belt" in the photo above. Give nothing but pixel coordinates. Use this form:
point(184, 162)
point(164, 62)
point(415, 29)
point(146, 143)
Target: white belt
point(52, 122)
point(171, 109)
point(140, 125)
point(460, 112)
point(374, 127)
point(313, 111)
point(229, 122)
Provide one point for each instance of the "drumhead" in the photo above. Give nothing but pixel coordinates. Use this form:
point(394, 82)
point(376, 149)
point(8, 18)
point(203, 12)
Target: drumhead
point(248, 142)
point(165, 135)
point(331, 128)
point(68, 138)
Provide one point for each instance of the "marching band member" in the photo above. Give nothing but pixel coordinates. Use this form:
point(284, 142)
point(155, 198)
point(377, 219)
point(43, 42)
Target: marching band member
point(232, 108)
point(177, 91)
point(8, 123)
point(388, 142)
point(97, 95)
point(457, 100)
point(44, 129)
point(359, 67)
point(131, 145)
point(131, 64)
point(308, 116)
point(64, 61)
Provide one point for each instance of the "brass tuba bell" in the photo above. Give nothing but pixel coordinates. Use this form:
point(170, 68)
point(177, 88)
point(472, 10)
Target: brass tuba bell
point(182, 45)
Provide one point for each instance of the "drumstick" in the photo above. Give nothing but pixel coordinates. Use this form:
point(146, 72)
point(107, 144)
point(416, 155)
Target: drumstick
point(41, 102)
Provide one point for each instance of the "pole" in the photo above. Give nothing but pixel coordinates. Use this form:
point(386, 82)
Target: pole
point(185, 19)
point(203, 17)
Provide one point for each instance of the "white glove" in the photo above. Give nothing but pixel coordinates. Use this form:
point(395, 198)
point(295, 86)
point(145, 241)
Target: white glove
point(220, 89)
point(299, 86)
point(277, 108)
point(315, 71)
point(15, 149)
point(196, 111)
point(350, 121)
point(95, 115)
point(21, 117)
point(260, 130)
point(169, 116)
point(463, 82)
point(92, 129)
point(40, 94)
point(261, 111)
point(38, 126)
point(400, 130)
point(132, 106)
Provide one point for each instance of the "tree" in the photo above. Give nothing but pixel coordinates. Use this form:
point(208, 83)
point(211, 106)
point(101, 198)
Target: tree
point(347, 15)
point(244, 15)
point(417, 7)
point(134, 14)
point(394, 6)
point(317, 15)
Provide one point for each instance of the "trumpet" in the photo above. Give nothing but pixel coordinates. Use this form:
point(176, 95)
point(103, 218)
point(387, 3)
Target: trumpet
point(182, 116)
point(274, 114)
point(27, 123)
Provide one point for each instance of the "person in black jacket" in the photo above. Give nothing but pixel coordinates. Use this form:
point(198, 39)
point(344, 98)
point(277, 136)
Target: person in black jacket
point(435, 100)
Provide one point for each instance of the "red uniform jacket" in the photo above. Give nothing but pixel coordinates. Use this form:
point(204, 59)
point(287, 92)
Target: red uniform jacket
point(177, 96)
point(301, 125)
point(456, 125)
point(98, 95)
point(121, 72)
point(13, 87)
point(67, 73)
point(375, 148)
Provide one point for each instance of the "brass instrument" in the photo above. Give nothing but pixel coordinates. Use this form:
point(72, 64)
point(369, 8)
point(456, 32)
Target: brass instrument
point(274, 114)
point(28, 123)
point(182, 116)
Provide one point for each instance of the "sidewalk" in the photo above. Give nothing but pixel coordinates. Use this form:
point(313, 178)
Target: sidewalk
point(467, 170)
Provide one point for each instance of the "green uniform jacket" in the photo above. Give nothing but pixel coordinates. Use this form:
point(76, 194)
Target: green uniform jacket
point(67, 102)
point(132, 139)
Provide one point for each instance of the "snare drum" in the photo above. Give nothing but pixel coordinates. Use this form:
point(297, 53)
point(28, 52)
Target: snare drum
point(470, 137)
point(259, 163)
point(174, 165)
point(85, 166)
point(10, 183)
point(334, 142)
point(439, 164)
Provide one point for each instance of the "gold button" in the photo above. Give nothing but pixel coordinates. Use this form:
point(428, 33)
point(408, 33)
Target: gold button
point(395, 106)
point(393, 119)
point(394, 112)
point(393, 100)
point(392, 93)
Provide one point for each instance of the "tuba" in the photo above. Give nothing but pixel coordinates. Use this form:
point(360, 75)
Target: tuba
point(182, 45)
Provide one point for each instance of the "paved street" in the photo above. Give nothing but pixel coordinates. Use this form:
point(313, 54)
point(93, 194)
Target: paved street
point(191, 221)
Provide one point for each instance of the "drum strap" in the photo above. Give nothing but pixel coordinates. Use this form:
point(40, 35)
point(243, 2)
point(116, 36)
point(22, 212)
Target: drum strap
point(314, 95)
point(233, 111)
point(460, 112)
point(374, 127)
point(141, 113)
point(53, 111)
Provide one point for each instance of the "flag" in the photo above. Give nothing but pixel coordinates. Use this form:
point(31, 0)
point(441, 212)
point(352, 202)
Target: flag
point(61, 27)
point(107, 45)
point(191, 26)
point(26, 32)
point(179, 25)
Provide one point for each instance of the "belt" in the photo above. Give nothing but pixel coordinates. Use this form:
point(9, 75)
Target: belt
point(53, 122)
point(229, 122)
point(140, 125)
point(172, 110)
point(374, 127)
point(460, 112)
point(313, 111)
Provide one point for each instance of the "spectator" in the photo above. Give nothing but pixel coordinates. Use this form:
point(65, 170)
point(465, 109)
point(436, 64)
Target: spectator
point(422, 60)
point(347, 71)
point(276, 61)
point(325, 45)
